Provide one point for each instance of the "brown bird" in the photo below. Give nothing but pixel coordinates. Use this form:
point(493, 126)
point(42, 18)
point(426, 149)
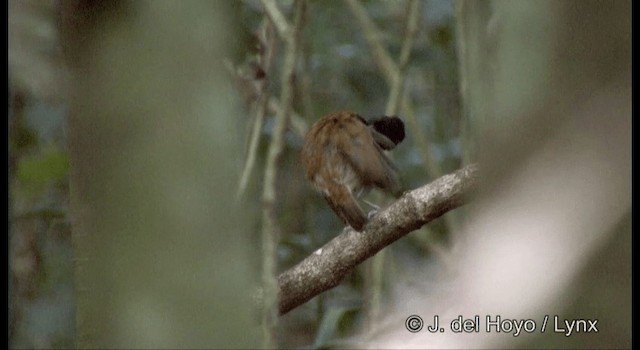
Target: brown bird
point(343, 158)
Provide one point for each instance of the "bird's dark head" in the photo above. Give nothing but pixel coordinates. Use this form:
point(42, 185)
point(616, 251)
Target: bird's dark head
point(391, 127)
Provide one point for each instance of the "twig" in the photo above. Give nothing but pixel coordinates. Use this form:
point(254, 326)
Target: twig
point(327, 266)
point(270, 227)
point(463, 62)
point(264, 61)
point(376, 275)
point(372, 35)
point(296, 123)
point(256, 130)
point(276, 17)
point(398, 79)
point(389, 70)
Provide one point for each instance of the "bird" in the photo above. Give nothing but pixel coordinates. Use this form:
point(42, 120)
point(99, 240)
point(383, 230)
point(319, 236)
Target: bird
point(343, 158)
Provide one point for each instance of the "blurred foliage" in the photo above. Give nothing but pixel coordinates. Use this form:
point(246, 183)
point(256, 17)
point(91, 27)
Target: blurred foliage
point(41, 293)
point(49, 165)
point(24, 139)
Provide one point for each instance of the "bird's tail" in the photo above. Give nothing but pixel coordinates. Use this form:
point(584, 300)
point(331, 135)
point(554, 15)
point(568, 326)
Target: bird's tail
point(345, 205)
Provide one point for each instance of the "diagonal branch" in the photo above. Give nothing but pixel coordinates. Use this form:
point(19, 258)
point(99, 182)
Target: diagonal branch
point(398, 79)
point(327, 266)
point(374, 38)
point(277, 18)
point(389, 70)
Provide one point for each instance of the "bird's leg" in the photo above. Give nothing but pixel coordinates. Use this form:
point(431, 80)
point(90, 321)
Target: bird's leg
point(372, 212)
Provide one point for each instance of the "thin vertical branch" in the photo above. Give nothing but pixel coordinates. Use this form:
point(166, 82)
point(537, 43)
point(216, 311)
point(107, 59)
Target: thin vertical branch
point(277, 18)
point(396, 94)
point(461, 44)
point(261, 104)
point(256, 130)
point(371, 33)
point(393, 103)
point(297, 124)
point(389, 70)
point(270, 227)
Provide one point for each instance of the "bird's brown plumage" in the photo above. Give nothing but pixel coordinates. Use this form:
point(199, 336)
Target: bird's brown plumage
point(342, 159)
